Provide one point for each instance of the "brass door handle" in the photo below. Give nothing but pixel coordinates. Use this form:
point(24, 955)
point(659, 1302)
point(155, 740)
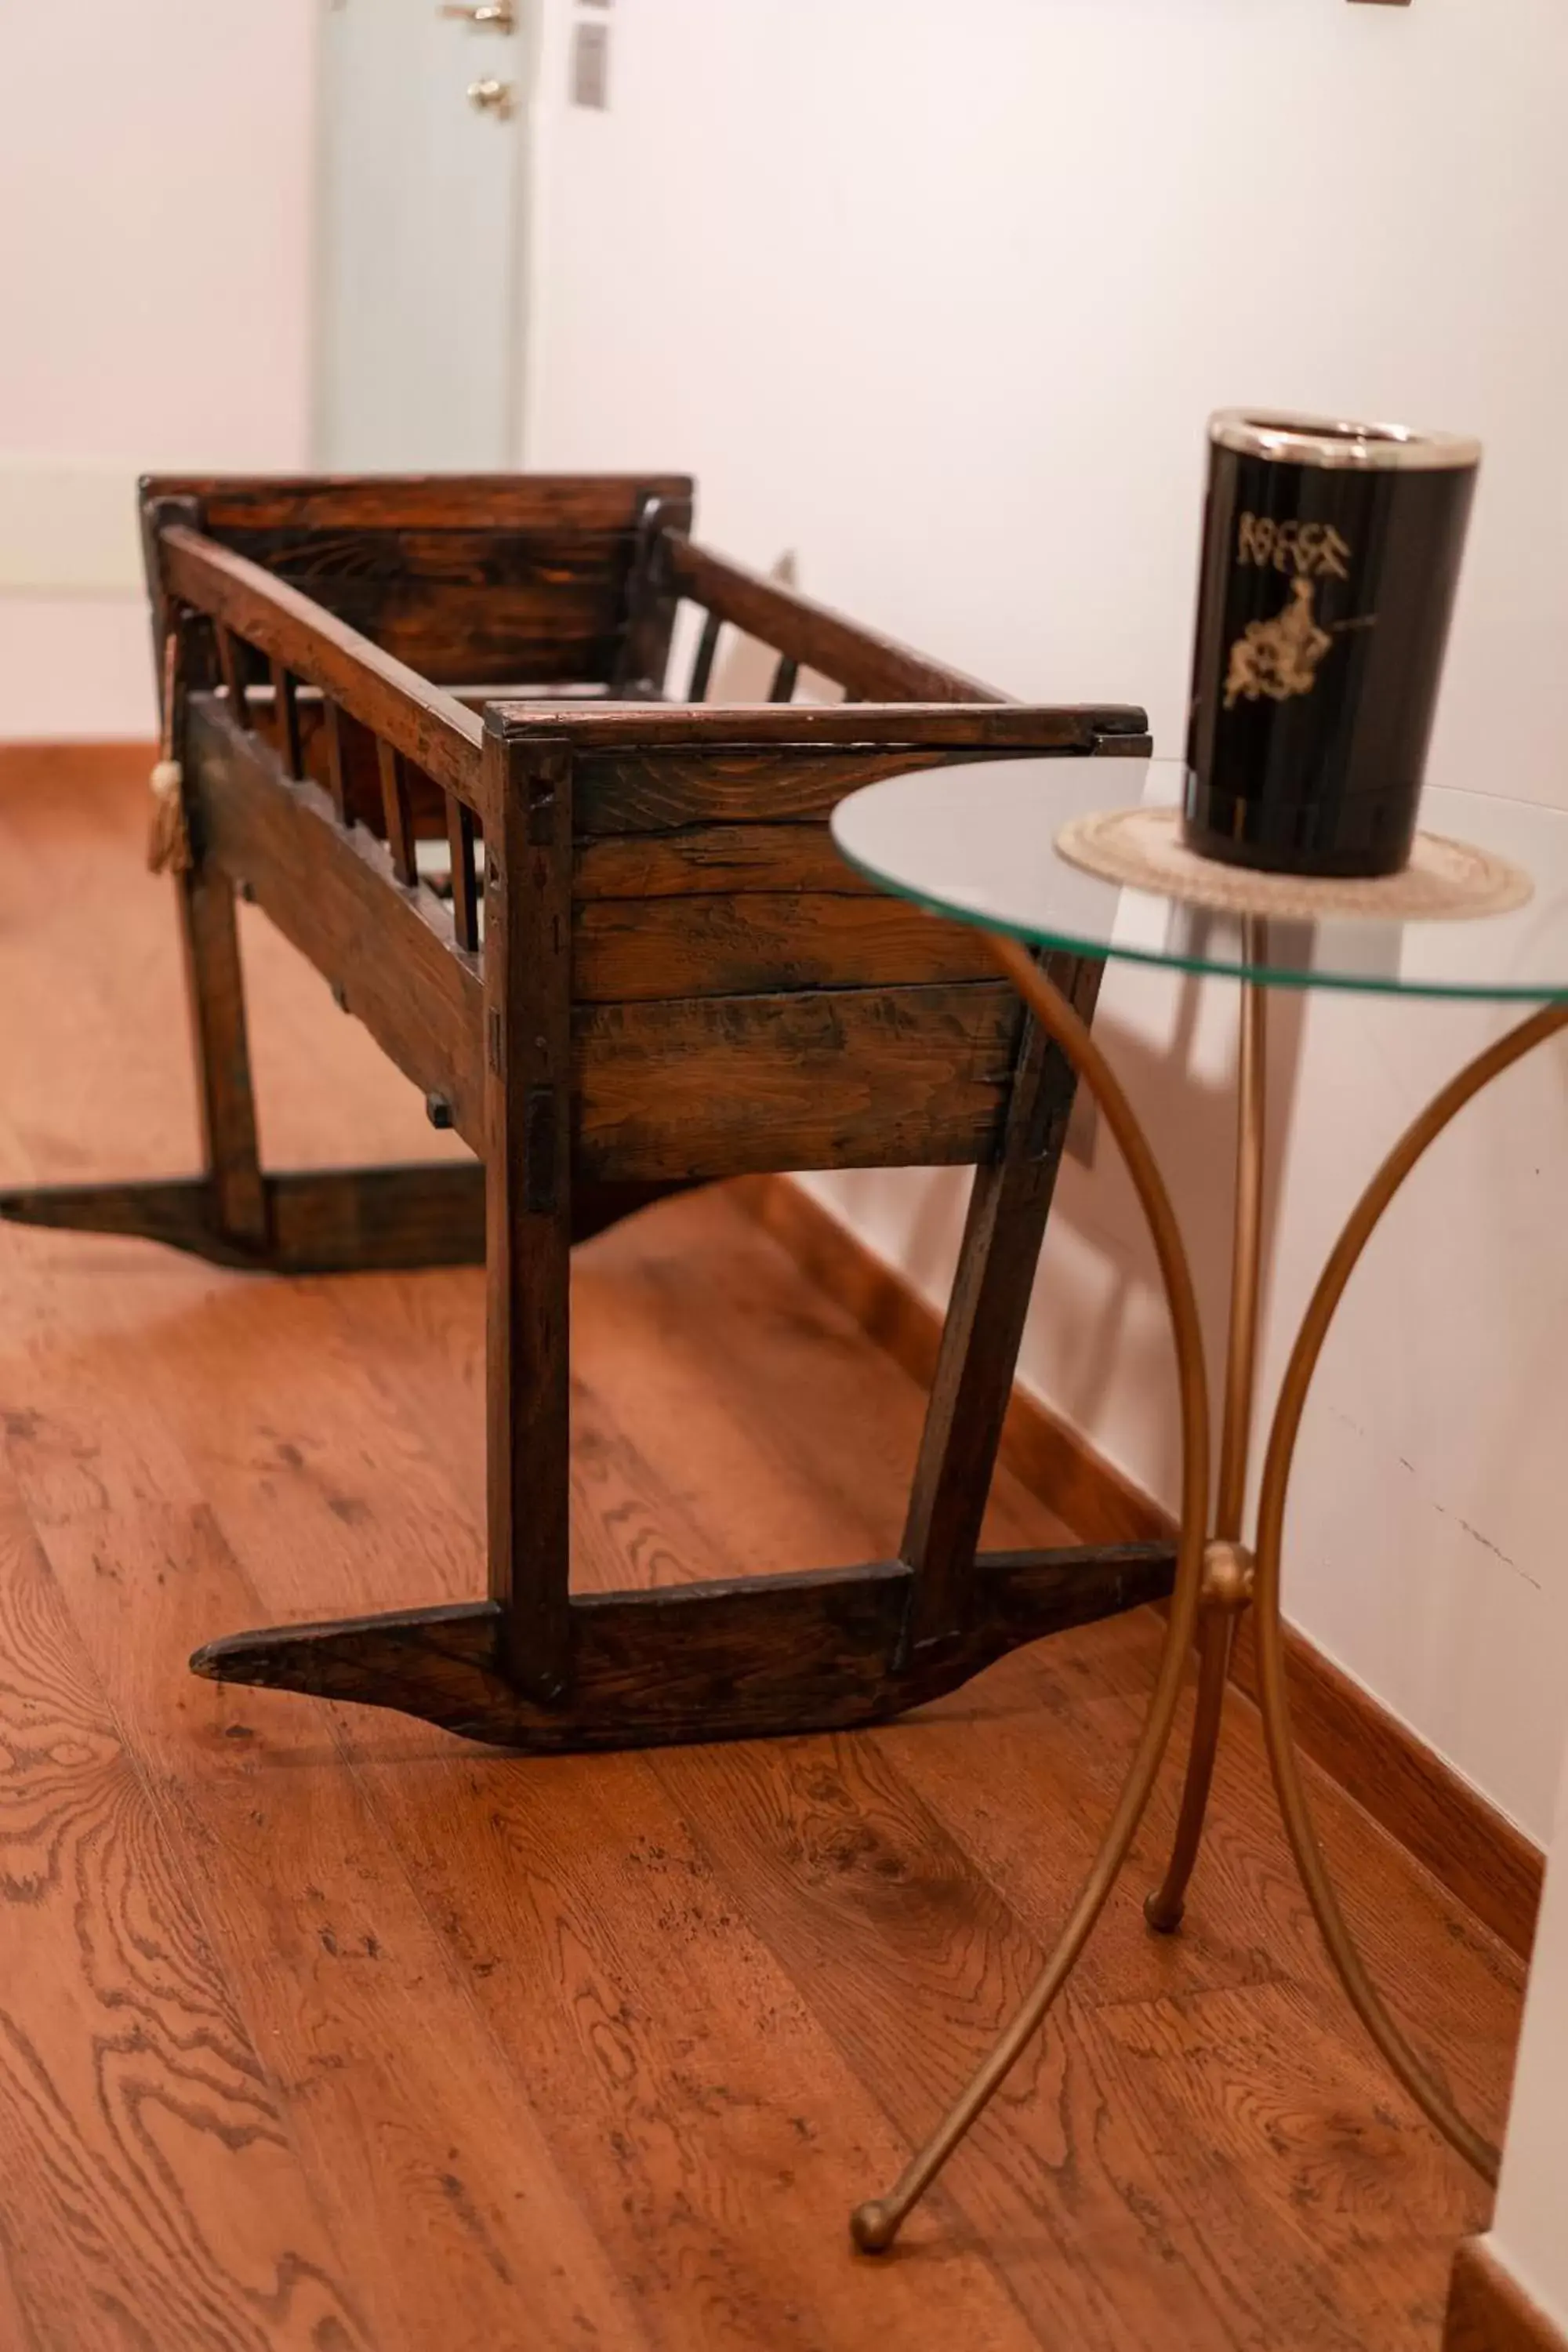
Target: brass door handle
point(492, 97)
point(497, 14)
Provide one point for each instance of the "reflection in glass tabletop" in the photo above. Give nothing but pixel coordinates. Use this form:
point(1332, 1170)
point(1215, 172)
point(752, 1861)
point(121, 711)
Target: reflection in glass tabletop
point(977, 842)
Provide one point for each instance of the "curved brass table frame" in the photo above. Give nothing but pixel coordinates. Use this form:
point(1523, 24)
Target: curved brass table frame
point(1217, 1575)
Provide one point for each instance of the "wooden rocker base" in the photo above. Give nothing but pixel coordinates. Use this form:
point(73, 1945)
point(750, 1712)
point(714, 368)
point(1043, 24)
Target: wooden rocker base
point(755, 1658)
point(320, 1220)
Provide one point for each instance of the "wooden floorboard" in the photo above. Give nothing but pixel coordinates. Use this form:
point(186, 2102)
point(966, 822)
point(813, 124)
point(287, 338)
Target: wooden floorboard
point(321, 2028)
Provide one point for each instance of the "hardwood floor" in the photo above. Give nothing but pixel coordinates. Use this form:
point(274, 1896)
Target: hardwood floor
point(319, 2029)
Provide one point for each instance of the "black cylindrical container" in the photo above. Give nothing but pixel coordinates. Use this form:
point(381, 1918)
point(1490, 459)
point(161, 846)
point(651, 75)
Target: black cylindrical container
point(1330, 558)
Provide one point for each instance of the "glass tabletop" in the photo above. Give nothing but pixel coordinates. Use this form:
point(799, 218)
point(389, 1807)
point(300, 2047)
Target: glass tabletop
point(977, 841)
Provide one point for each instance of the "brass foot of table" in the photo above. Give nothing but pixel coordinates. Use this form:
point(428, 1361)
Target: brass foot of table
point(1217, 1575)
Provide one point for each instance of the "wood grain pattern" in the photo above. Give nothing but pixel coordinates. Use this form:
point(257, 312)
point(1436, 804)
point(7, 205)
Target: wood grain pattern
point(503, 502)
point(597, 2051)
point(1043, 1451)
point(578, 2046)
point(726, 2101)
point(501, 580)
point(751, 1658)
point(1474, 1850)
point(690, 2085)
point(829, 1851)
point(1489, 2311)
point(657, 768)
point(147, 2161)
point(717, 1085)
point(289, 1860)
point(658, 790)
point(763, 942)
point(709, 860)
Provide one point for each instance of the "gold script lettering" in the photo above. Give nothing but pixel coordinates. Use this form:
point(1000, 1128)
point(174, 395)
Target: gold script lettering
point(1256, 539)
point(1302, 551)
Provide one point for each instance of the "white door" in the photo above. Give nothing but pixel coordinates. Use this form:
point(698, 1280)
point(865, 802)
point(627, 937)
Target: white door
point(419, 305)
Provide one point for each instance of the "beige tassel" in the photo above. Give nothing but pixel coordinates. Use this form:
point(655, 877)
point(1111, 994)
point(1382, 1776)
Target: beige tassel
point(169, 842)
point(169, 839)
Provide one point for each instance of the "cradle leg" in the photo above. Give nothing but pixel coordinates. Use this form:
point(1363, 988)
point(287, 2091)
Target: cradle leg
point(216, 985)
point(528, 1206)
point(1003, 1234)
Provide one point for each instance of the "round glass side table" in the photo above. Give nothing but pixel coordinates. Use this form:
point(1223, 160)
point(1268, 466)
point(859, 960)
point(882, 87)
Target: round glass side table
point(977, 842)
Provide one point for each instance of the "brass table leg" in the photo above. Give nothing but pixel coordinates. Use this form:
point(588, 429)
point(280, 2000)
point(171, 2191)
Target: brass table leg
point(1228, 1578)
point(1422, 2086)
point(1216, 1579)
point(876, 2224)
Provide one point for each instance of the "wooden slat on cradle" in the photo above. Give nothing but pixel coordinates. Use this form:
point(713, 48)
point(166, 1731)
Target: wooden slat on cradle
point(754, 726)
point(663, 791)
point(385, 695)
point(335, 776)
point(820, 639)
point(498, 503)
point(285, 720)
point(461, 844)
point(641, 664)
point(233, 661)
point(702, 661)
point(761, 941)
point(709, 860)
point(359, 766)
point(397, 814)
point(659, 789)
point(332, 894)
point(721, 1086)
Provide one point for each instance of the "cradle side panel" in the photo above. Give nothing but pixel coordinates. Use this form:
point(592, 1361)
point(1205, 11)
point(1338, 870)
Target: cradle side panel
point(331, 892)
point(726, 1086)
point(770, 1014)
point(512, 580)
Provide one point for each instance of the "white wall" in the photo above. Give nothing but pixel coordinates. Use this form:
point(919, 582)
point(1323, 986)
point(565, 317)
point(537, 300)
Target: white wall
point(1528, 2230)
point(154, 304)
point(940, 297)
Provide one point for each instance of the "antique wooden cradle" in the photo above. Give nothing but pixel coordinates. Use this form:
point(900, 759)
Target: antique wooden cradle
point(640, 966)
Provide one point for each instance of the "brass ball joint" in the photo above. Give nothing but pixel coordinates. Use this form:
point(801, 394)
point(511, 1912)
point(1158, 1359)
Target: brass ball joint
point(874, 2226)
point(1229, 1572)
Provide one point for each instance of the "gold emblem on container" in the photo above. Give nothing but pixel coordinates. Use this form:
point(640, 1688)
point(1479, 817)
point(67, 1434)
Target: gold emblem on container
point(1278, 658)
